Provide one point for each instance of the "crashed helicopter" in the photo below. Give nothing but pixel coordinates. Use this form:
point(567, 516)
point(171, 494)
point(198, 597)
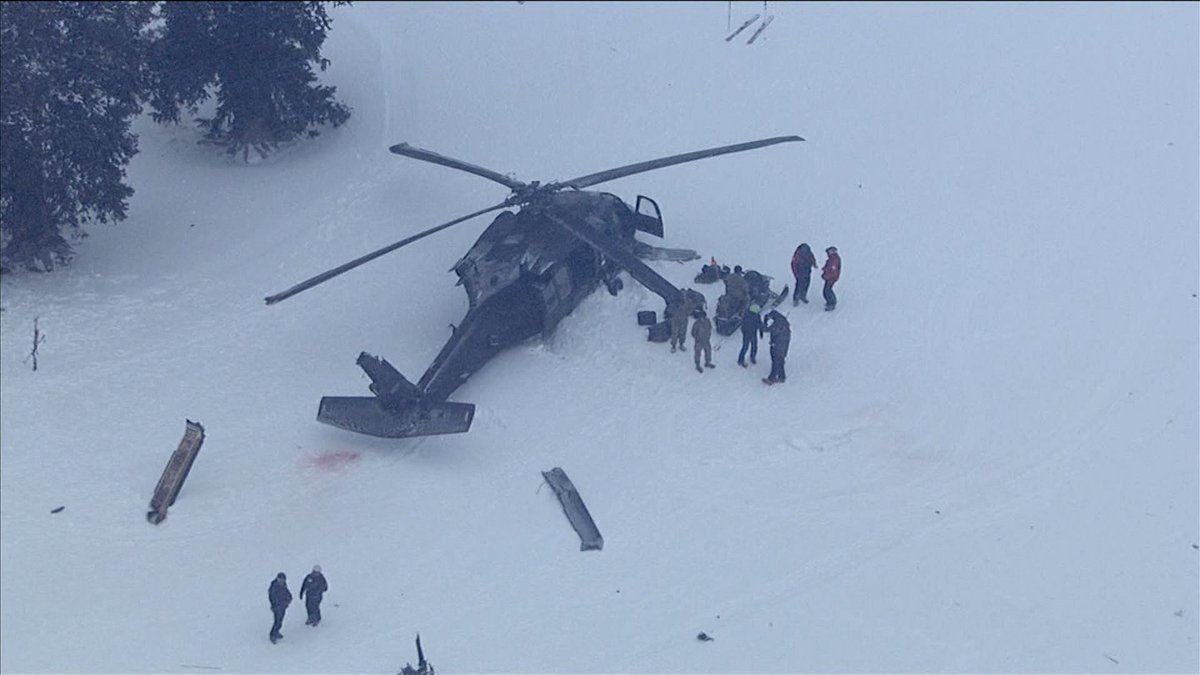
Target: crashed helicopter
point(528, 270)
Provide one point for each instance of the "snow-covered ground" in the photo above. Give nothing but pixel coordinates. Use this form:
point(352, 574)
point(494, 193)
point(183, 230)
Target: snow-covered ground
point(986, 459)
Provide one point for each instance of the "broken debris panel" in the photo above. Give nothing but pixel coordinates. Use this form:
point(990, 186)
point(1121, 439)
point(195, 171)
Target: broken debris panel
point(573, 506)
point(176, 472)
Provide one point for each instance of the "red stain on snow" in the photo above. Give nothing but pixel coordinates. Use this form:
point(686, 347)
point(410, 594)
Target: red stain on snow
point(334, 461)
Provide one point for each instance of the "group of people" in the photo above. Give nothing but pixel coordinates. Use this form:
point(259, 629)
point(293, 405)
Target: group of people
point(754, 326)
point(804, 262)
point(314, 585)
point(747, 293)
point(677, 314)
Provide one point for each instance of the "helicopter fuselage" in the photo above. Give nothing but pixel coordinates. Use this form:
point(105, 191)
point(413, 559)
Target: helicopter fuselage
point(524, 275)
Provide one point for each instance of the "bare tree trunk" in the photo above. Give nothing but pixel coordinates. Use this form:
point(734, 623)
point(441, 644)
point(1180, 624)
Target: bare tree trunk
point(38, 339)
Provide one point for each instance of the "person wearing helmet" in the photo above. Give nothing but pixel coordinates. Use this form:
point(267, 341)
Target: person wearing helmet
point(701, 339)
point(831, 273)
point(280, 597)
point(751, 331)
point(315, 586)
point(803, 263)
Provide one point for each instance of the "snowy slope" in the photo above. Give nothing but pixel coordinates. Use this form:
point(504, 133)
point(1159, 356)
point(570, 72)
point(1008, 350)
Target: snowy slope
point(985, 460)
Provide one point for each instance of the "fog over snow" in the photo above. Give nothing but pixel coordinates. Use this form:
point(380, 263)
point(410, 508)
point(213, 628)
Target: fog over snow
point(986, 459)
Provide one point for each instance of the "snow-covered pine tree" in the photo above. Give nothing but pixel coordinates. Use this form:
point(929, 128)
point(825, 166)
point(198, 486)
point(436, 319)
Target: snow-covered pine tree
point(257, 59)
point(70, 79)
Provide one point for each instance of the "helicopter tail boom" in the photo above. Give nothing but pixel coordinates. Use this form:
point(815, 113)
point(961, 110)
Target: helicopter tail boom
point(398, 409)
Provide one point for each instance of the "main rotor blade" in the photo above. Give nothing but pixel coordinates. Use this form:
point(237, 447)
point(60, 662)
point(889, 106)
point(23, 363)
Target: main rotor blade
point(613, 174)
point(326, 276)
point(429, 156)
point(623, 258)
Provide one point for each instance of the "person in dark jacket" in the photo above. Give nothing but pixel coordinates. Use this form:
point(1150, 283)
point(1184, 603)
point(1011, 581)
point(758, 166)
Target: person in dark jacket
point(803, 263)
point(831, 273)
point(781, 335)
point(751, 331)
point(701, 339)
point(315, 586)
point(280, 597)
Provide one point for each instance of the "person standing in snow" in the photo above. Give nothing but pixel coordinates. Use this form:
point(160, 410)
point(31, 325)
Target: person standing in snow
point(803, 263)
point(280, 597)
point(781, 335)
point(701, 335)
point(831, 273)
point(315, 586)
point(678, 316)
point(751, 331)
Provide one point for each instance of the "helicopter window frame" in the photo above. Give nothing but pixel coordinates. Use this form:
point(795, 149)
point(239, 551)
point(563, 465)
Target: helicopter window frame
point(650, 223)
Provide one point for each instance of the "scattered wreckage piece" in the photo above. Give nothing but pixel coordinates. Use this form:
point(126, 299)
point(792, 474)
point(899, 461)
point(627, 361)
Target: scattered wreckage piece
point(573, 506)
point(175, 472)
point(423, 667)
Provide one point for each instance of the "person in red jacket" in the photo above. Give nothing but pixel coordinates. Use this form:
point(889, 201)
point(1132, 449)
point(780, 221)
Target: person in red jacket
point(830, 273)
point(803, 263)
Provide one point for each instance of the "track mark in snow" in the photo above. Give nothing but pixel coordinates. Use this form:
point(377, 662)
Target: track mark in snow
point(835, 439)
point(822, 441)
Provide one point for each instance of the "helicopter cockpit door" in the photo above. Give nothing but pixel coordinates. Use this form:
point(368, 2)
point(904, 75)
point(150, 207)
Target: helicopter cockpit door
point(647, 218)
